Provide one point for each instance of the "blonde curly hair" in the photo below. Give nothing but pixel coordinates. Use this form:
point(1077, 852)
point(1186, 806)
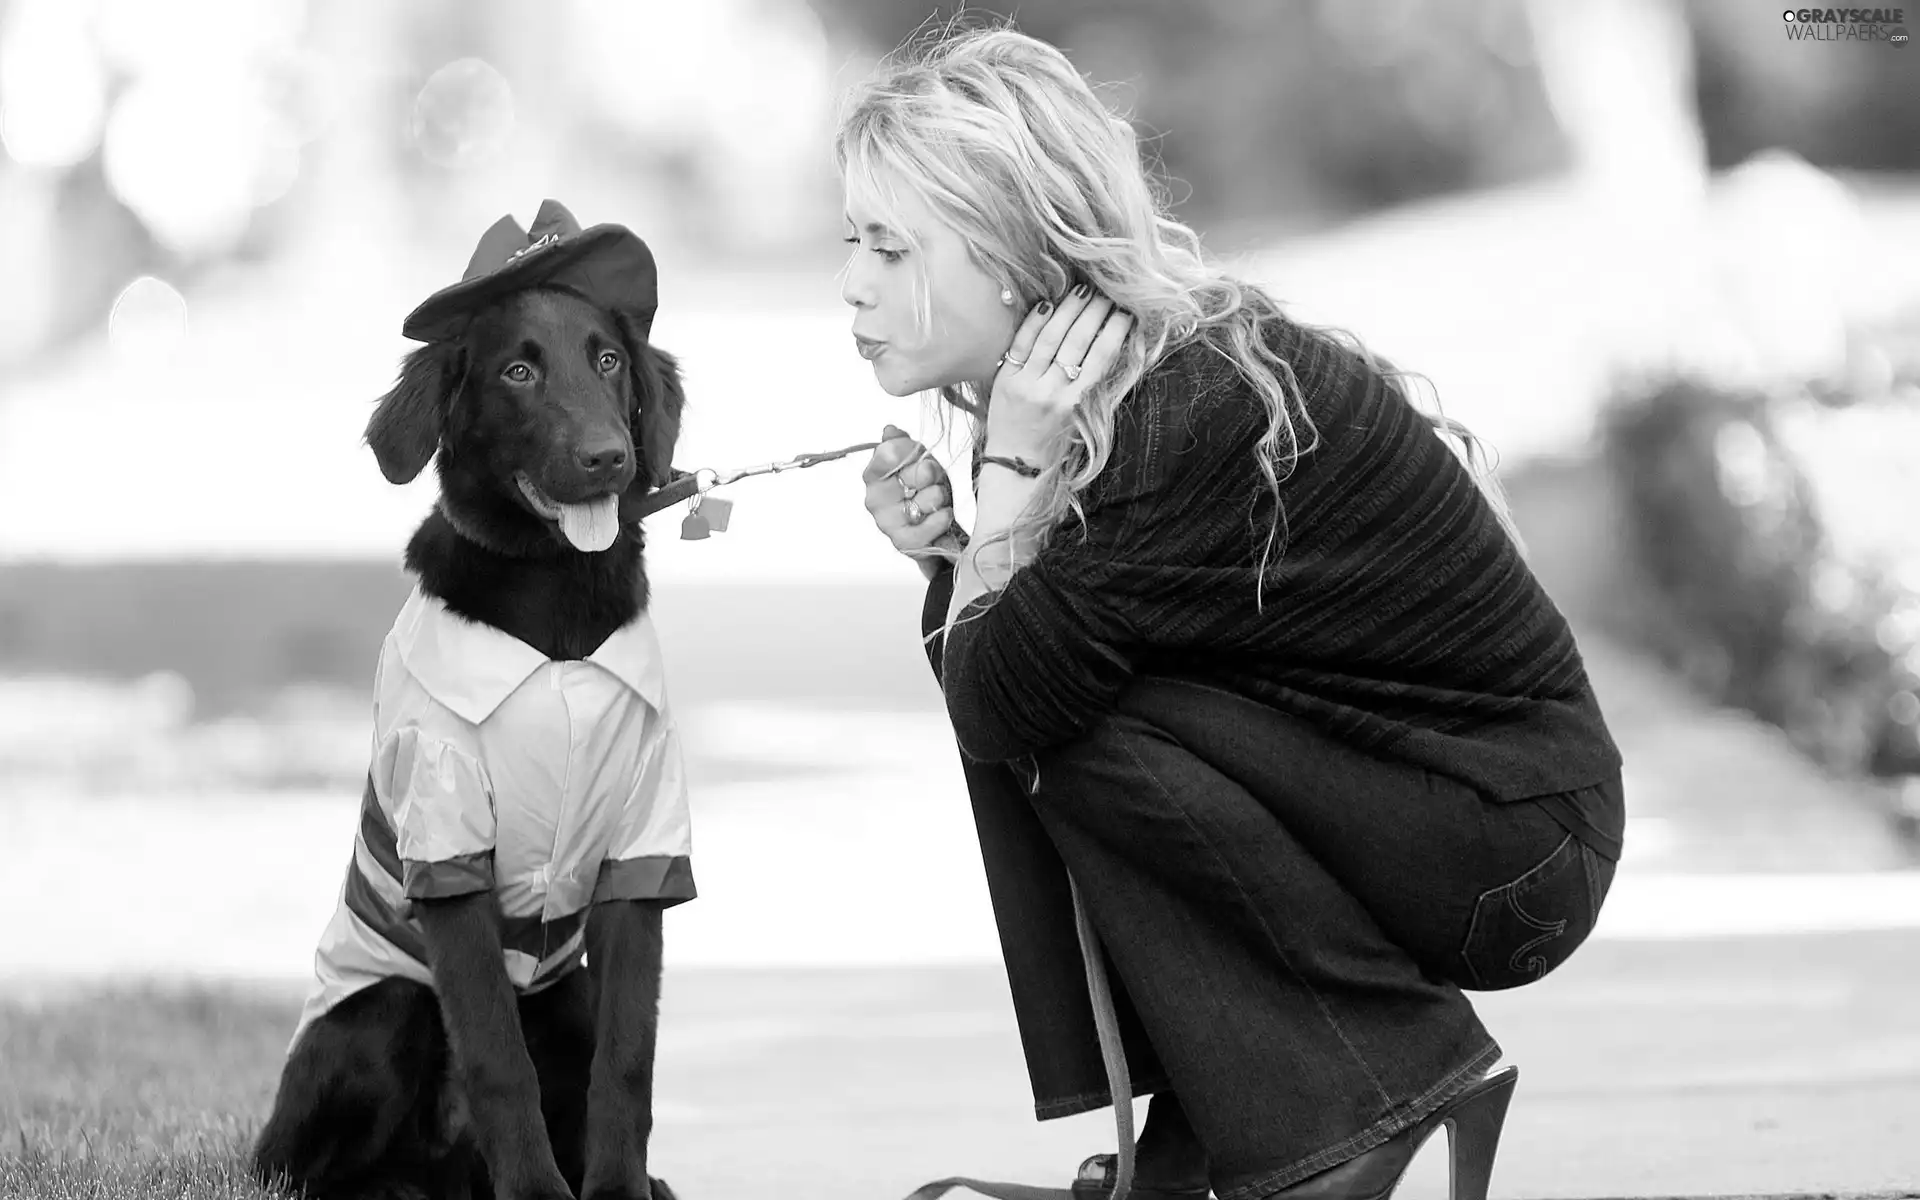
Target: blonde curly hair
point(1003, 140)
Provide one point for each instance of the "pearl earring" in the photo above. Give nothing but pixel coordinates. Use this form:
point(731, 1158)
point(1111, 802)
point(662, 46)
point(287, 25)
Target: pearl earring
point(1006, 296)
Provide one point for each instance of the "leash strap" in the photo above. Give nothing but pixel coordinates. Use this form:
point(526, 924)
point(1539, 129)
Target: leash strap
point(1119, 1083)
point(684, 485)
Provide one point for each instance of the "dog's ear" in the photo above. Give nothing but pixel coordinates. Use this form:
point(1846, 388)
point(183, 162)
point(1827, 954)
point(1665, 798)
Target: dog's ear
point(405, 430)
point(658, 402)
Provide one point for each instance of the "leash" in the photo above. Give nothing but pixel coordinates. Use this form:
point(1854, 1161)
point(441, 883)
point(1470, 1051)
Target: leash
point(710, 513)
point(1119, 1084)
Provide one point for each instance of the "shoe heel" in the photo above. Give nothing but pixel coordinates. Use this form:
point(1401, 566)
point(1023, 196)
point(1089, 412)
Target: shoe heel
point(1473, 1134)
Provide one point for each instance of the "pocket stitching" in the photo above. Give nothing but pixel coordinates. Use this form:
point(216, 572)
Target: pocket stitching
point(1549, 930)
point(1505, 894)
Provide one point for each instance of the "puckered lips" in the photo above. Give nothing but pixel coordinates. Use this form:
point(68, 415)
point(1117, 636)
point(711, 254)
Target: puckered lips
point(590, 525)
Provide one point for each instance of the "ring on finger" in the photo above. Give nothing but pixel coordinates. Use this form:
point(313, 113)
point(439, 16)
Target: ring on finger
point(1015, 363)
point(914, 514)
point(1072, 372)
point(906, 489)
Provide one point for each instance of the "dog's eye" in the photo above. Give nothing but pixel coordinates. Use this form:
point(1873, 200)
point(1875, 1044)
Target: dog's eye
point(519, 373)
point(609, 361)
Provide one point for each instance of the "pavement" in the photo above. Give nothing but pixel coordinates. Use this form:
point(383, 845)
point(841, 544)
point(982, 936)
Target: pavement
point(1780, 1064)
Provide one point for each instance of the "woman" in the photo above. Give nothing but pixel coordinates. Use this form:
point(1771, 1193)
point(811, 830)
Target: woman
point(1238, 644)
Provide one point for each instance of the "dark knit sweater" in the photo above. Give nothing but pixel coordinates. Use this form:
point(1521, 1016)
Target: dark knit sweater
point(1398, 614)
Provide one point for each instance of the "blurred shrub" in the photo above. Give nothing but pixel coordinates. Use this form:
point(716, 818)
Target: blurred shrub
point(1777, 531)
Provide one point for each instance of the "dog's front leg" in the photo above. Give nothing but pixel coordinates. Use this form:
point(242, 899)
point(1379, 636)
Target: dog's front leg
point(490, 1060)
point(623, 952)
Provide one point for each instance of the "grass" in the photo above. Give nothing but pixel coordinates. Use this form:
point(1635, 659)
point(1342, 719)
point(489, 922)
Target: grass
point(136, 1092)
point(147, 1091)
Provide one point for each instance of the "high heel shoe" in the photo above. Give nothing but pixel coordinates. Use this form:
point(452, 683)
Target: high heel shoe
point(1473, 1120)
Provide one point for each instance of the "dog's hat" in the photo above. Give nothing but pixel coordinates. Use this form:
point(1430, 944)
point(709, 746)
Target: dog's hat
point(608, 264)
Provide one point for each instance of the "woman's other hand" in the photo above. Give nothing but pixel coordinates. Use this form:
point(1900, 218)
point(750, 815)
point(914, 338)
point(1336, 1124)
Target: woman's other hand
point(910, 497)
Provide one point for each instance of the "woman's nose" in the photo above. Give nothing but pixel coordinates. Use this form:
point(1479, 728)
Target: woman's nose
point(854, 288)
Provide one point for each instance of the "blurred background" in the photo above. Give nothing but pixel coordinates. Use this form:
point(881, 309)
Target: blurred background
point(1663, 256)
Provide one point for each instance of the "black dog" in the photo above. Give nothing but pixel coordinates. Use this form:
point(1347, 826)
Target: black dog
point(548, 413)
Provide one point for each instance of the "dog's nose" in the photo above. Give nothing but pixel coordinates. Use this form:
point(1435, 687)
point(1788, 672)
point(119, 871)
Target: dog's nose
point(604, 457)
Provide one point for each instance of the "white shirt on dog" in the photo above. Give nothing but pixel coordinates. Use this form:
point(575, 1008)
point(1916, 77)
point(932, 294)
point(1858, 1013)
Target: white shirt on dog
point(554, 785)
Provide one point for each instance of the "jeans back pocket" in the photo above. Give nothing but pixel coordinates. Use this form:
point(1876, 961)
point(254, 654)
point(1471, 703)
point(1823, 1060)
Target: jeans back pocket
point(1524, 929)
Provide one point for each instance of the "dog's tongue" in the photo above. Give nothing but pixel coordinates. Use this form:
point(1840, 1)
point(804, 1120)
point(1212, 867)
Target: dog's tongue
point(593, 525)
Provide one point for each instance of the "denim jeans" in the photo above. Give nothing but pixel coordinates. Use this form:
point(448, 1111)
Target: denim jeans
point(1289, 923)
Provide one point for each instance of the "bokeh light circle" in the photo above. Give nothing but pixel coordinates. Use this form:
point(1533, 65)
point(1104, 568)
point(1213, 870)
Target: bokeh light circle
point(194, 156)
point(53, 89)
point(148, 323)
point(463, 115)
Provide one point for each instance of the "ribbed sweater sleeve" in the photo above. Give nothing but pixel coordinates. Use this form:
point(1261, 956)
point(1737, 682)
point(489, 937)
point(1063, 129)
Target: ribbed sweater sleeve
point(1035, 664)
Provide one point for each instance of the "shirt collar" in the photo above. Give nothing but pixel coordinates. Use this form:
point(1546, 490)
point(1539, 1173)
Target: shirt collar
point(472, 667)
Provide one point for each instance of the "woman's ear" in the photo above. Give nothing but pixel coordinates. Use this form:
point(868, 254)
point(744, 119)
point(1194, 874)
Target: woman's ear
point(404, 432)
point(658, 401)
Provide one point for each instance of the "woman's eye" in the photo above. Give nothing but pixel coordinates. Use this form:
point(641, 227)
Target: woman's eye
point(609, 361)
point(889, 256)
point(520, 373)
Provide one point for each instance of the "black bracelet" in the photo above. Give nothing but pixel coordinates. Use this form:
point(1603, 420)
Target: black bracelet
point(1018, 466)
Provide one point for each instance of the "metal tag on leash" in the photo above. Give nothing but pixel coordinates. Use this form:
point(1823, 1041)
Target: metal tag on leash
point(707, 515)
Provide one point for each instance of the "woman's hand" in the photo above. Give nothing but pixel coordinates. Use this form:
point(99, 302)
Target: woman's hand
point(1057, 355)
point(909, 495)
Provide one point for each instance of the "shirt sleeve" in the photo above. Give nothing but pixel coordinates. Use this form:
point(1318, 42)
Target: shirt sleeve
point(441, 802)
point(1037, 663)
point(652, 853)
